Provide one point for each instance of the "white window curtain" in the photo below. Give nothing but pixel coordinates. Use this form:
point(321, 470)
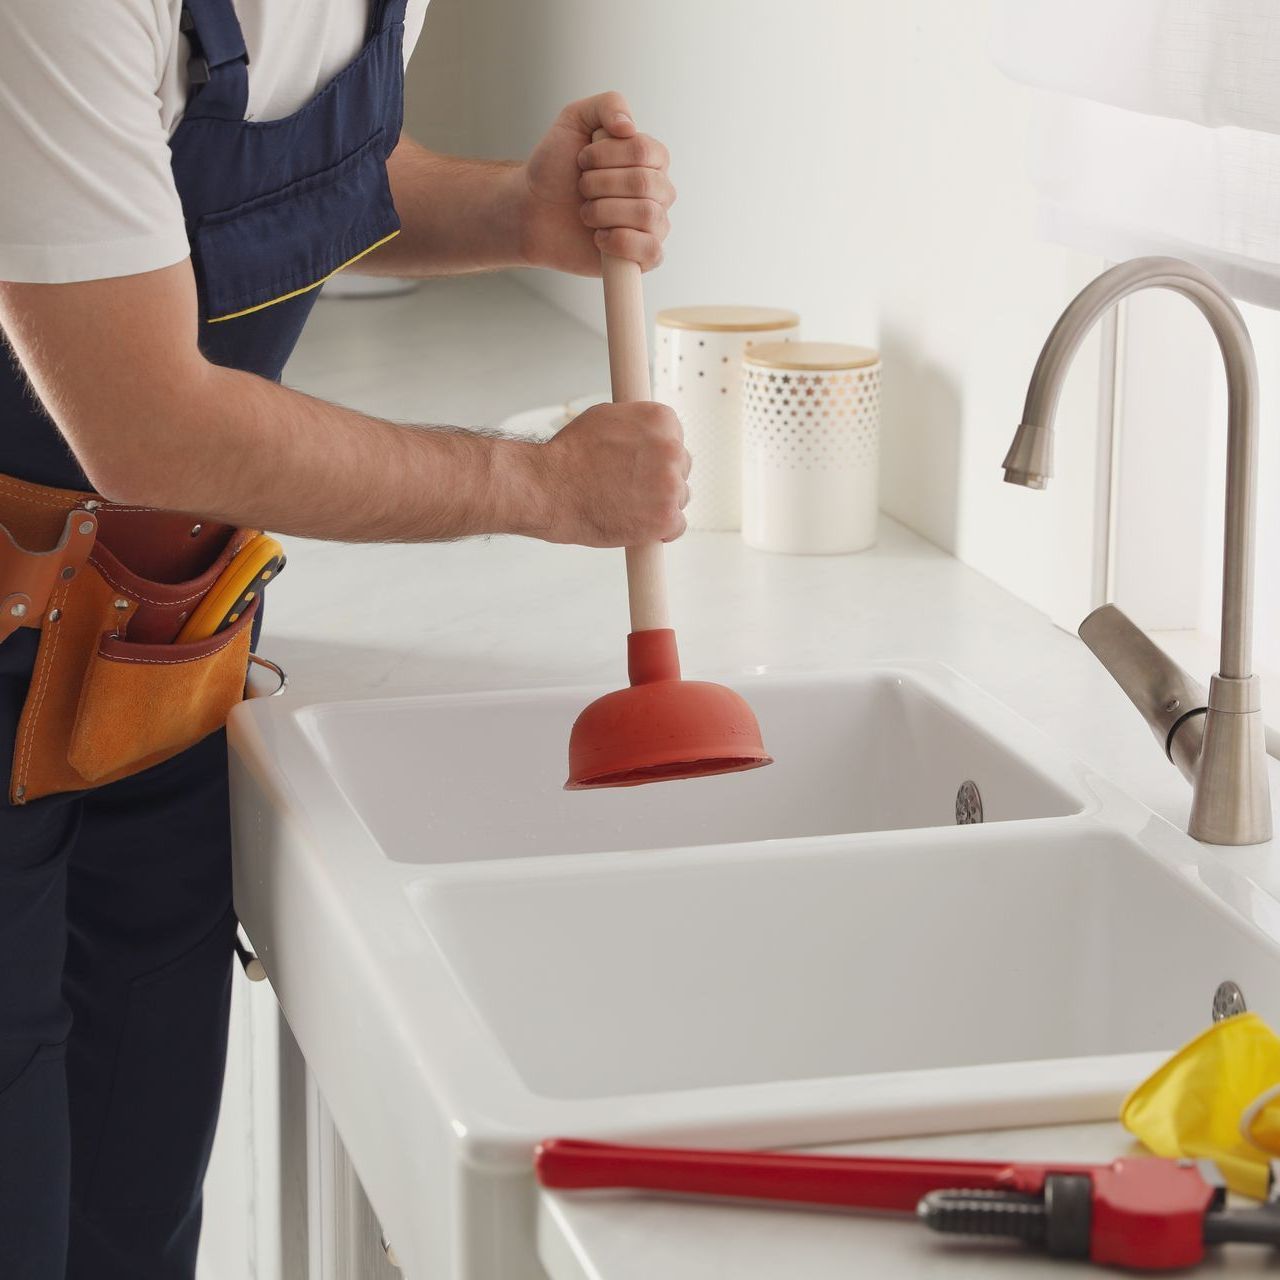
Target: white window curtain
point(1160, 132)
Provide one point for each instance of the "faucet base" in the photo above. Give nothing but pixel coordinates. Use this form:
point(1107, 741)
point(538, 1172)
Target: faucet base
point(1232, 798)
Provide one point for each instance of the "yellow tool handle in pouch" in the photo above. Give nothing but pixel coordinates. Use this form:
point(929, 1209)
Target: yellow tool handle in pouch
point(241, 582)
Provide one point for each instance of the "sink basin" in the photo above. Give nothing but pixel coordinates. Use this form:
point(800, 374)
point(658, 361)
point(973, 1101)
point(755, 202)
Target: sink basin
point(469, 777)
point(472, 959)
point(847, 962)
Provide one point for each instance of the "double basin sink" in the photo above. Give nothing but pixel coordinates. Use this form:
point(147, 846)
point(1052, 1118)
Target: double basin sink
point(921, 918)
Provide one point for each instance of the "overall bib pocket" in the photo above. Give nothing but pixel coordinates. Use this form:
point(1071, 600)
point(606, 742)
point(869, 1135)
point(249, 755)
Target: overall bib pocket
point(237, 251)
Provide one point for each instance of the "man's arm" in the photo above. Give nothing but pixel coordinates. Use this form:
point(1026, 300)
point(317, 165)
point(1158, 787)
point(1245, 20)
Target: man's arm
point(456, 215)
point(116, 364)
point(571, 199)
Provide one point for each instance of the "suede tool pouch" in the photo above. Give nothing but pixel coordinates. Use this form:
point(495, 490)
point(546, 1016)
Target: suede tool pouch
point(102, 704)
point(142, 703)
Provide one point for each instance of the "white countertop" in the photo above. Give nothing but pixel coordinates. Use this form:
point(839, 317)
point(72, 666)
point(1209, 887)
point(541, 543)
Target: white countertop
point(353, 621)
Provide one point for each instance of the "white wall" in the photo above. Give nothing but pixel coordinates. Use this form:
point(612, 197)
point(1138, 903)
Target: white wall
point(862, 162)
point(438, 109)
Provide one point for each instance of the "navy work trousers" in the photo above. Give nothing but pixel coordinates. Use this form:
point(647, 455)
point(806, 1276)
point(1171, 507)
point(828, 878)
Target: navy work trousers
point(116, 944)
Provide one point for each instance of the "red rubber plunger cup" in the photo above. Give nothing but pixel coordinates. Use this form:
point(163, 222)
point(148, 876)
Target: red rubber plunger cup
point(662, 727)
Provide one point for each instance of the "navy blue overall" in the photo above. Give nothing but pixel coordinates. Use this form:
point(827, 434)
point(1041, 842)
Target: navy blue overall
point(116, 923)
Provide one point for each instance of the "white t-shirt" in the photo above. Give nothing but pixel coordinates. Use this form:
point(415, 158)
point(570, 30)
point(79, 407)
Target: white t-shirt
point(90, 92)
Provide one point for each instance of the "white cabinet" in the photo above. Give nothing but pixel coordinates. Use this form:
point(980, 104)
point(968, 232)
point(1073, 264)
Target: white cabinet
point(241, 1238)
point(282, 1201)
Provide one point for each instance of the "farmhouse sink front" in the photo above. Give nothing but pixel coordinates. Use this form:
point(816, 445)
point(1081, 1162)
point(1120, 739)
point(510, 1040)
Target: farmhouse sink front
point(472, 960)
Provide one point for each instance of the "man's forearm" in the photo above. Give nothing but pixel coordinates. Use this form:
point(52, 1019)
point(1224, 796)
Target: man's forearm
point(251, 452)
point(456, 215)
point(153, 423)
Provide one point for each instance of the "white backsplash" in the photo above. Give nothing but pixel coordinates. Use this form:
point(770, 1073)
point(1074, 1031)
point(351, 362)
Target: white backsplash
point(862, 163)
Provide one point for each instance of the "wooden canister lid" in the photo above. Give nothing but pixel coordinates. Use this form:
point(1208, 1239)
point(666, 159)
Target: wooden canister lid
point(810, 355)
point(728, 319)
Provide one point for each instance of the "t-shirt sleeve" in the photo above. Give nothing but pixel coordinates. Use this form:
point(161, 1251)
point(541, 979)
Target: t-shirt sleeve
point(86, 190)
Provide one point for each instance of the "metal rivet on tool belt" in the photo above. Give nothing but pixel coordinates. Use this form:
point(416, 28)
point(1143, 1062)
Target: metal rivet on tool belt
point(87, 526)
point(19, 610)
point(196, 530)
point(68, 573)
point(120, 603)
point(92, 505)
point(54, 614)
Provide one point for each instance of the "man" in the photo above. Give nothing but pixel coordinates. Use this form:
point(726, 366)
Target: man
point(180, 180)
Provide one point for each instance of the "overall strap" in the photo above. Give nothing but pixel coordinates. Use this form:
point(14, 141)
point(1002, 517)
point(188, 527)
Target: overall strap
point(386, 13)
point(219, 66)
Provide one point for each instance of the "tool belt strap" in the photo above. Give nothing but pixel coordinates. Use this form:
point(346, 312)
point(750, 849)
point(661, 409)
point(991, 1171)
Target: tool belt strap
point(28, 578)
point(46, 535)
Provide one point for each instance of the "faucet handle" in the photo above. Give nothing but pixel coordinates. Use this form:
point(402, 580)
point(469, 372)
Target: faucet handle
point(1171, 702)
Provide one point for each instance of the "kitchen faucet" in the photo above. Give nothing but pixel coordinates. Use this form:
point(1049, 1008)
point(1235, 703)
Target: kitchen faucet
point(1218, 740)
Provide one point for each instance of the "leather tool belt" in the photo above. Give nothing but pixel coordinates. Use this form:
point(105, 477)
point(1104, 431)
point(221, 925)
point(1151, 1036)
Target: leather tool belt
point(109, 587)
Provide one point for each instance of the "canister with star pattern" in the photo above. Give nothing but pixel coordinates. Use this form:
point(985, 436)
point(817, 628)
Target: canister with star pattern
point(698, 372)
point(811, 447)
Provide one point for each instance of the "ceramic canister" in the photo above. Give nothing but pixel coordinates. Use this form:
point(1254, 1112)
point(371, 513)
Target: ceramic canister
point(697, 371)
point(811, 447)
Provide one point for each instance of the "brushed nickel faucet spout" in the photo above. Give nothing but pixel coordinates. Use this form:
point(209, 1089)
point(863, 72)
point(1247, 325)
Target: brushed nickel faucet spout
point(1220, 746)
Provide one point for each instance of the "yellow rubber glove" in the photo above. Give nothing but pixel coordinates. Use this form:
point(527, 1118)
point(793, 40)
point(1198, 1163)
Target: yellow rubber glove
point(1217, 1098)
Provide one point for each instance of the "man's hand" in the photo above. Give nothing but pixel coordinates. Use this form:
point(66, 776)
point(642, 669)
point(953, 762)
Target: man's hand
point(578, 197)
point(569, 201)
point(616, 476)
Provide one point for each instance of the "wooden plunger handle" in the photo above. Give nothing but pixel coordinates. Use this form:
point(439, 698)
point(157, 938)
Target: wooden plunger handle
point(629, 374)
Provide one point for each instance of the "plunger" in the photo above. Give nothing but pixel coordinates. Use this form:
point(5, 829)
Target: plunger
point(661, 727)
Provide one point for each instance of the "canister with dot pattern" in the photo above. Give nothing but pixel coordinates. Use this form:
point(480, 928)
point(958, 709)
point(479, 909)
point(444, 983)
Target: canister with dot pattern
point(811, 447)
point(697, 371)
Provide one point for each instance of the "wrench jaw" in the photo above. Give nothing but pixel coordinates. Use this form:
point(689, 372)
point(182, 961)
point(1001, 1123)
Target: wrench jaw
point(1247, 1226)
point(1152, 1215)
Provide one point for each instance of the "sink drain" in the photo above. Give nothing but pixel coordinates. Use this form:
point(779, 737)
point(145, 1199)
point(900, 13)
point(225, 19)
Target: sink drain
point(1228, 1001)
point(968, 804)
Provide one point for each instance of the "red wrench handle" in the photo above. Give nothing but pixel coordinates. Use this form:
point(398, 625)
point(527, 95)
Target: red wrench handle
point(854, 1182)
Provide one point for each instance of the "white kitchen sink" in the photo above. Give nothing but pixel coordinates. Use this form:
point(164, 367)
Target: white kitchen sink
point(749, 970)
point(472, 960)
point(468, 777)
